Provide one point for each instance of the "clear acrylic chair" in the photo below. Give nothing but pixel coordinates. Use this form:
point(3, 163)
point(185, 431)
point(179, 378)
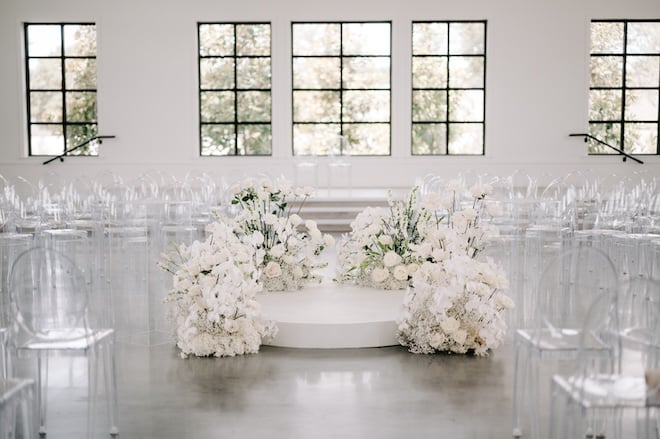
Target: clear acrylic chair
point(608, 397)
point(16, 397)
point(54, 314)
point(565, 290)
point(11, 245)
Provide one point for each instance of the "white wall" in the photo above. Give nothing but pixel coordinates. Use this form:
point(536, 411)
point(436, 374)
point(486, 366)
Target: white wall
point(536, 90)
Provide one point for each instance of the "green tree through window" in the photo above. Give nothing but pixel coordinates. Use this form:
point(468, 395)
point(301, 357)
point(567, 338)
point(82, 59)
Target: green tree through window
point(341, 88)
point(448, 95)
point(624, 92)
point(235, 89)
point(61, 87)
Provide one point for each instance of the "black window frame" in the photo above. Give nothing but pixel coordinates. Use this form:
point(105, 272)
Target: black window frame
point(235, 89)
point(623, 88)
point(64, 123)
point(341, 56)
point(448, 55)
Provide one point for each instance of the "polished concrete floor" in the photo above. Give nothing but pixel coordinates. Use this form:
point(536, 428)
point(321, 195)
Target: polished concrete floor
point(301, 393)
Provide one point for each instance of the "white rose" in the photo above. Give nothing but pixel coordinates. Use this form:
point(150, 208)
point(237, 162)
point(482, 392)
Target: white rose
point(295, 220)
point(277, 251)
point(504, 301)
point(329, 240)
point(257, 238)
point(400, 272)
point(270, 219)
point(449, 325)
point(311, 225)
point(391, 259)
point(378, 274)
point(273, 269)
point(459, 336)
point(316, 235)
point(412, 269)
point(477, 191)
point(297, 272)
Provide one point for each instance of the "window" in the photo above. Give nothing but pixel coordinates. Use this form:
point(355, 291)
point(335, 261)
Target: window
point(341, 88)
point(61, 87)
point(234, 89)
point(625, 86)
point(448, 87)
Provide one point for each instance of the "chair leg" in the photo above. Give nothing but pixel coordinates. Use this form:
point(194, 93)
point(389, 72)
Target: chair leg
point(110, 374)
point(42, 390)
point(518, 388)
point(92, 380)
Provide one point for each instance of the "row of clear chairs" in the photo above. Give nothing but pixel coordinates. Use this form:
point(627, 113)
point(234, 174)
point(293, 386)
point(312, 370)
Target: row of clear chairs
point(597, 331)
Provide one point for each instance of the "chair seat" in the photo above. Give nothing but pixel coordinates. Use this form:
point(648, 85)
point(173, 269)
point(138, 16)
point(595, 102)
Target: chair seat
point(69, 339)
point(605, 391)
point(563, 339)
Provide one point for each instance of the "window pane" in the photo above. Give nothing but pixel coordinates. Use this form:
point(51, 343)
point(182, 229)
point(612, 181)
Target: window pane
point(367, 106)
point(316, 39)
point(45, 106)
point(643, 71)
point(429, 138)
point(606, 71)
point(46, 140)
point(366, 38)
point(605, 105)
point(466, 72)
point(253, 106)
point(253, 72)
point(466, 105)
point(430, 38)
point(45, 74)
point(44, 40)
point(467, 38)
point(81, 106)
point(466, 138)
point(643, 37)
point(77, 134)
point(607, 132)
point(429, 72)
point(316, 139)
point(79, 40)
point(368, 139)
point(218, 140)
point(606, 37)
point(642, 105)
point(216, 39)
point(366, 72)
point(641, 138)
point(253, 40)
point(254, 140)
point(316, 73)
point(80, 73)
point(217, 106)
point(429, 105)
point(316, 106)
point(216, 73)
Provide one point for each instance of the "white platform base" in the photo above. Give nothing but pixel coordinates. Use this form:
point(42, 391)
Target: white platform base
point(331, 315)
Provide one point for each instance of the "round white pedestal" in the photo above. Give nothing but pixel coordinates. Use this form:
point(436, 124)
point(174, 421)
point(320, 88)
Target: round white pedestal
point(332, 315)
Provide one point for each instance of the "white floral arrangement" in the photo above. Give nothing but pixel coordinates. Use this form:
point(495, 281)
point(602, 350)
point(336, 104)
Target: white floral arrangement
point(213, 296)
point(378, 252)
point(288, 248)
point(456, 302)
